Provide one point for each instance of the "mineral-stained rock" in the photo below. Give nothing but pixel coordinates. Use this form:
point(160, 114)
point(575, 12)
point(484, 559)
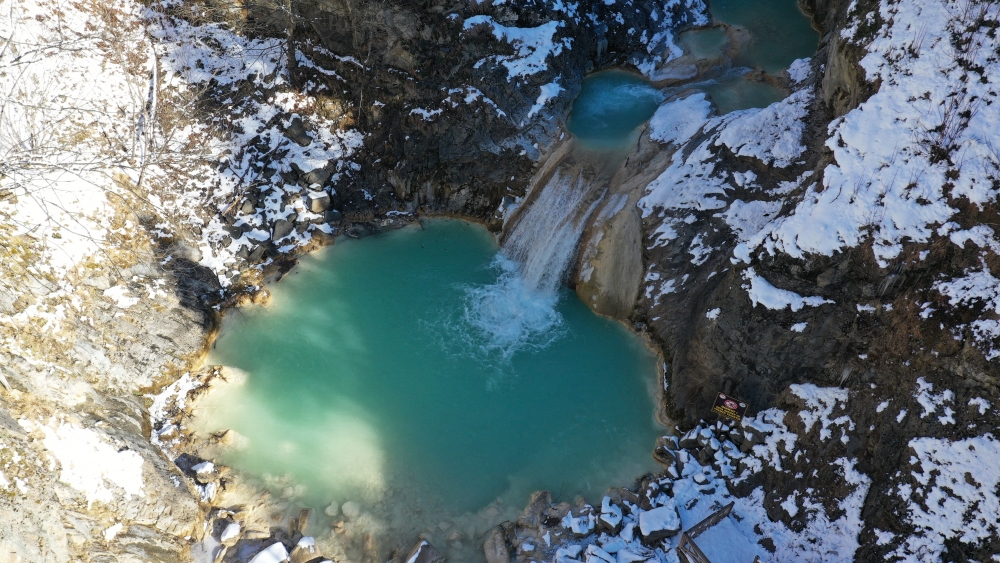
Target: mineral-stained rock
point(535, 511)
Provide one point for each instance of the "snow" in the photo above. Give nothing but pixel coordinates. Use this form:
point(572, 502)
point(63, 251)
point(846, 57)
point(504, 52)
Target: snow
point(204, 468)
point(275, 553)
point(677, 121)
point(426, 115)
point(746, 219)
point(763, 293)
point(891, 192)
point(727, 542)
point(981, 404)
point(713, 314)
point(532, 45)
point(790, 506)
point(954, 495)
point(90, 464)
point(820, 403)
point(111, 532)
point(799, 70)
point(547, 92)
point(658, 519)
point(932, 401)
point(798, 327)
point(772, 135)
point(232, 531)
point(977, 289)
point(120, 295)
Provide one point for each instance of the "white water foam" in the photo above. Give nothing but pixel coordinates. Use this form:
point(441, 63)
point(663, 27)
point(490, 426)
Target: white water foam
point(508, 316)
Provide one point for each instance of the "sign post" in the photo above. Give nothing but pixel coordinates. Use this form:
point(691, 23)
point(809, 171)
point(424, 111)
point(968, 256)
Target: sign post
point(730, 407)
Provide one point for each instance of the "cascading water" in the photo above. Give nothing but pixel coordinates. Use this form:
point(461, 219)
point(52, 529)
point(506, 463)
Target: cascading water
point(541, 242)
point(544, 240)
point(519, 310)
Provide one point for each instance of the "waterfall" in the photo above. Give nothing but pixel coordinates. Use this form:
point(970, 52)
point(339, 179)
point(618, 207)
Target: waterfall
point(545, 238)
point(518, 311)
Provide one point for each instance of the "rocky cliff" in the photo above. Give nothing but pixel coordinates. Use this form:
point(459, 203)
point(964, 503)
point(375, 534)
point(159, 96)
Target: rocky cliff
point(829, 259)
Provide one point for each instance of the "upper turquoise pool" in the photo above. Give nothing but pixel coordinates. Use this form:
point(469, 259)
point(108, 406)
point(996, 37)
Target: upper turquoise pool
point(611, 105)
point(780, 32)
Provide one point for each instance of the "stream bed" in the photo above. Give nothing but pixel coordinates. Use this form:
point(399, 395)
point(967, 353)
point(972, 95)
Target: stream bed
point(409, 374)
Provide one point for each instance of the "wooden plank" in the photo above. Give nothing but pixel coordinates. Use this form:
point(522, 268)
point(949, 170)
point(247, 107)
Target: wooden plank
point(691, 551)
point(712, 520)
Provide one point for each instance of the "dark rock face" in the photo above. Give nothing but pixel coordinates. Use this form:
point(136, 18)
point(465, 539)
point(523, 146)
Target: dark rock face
point(876, 354)
point(395, 60)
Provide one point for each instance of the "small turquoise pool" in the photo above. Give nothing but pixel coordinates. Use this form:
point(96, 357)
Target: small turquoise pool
point(780, 32)
point(611, 105)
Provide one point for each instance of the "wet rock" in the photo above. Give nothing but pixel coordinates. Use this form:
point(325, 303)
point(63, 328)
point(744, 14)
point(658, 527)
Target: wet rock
point(423, 552)
point(301, 523)
point(495, 547)
point(351, 509)
point(668, 442)
point(534, 513)
point(332, 510)
point(665, 456)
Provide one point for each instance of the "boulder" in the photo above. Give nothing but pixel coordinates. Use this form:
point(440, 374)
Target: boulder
point(610, 519)
point(296, 131)
point(317, 202)
point(690, 439)
point(495, 547)
point(304, 550)
point(659, 523)
point(664, 455)
point(230, 534)
point(423, 552)
point(282, 228)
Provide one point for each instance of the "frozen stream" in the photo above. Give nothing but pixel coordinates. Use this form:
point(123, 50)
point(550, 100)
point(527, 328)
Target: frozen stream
point(371, 380)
